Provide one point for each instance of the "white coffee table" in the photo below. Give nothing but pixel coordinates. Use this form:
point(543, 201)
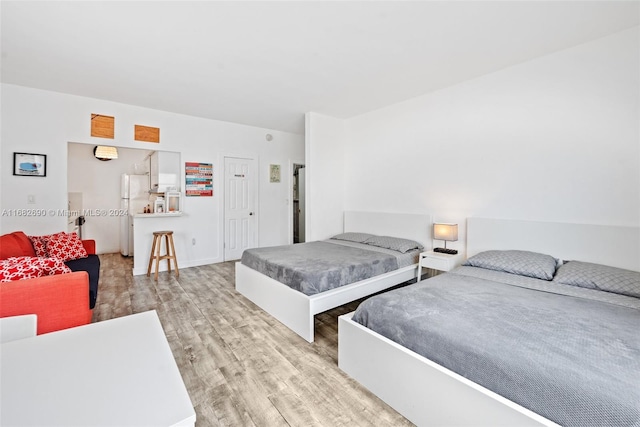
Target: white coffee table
point(119, 372)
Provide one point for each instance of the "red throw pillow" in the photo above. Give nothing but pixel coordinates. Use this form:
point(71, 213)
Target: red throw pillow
point(18, 268)
point(51, 266)
point(39, 245)
point(65, 247)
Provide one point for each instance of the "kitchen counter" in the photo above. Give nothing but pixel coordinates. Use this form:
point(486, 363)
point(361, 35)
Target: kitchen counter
point(143, 227)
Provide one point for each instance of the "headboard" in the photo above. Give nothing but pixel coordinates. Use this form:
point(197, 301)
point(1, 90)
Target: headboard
point(618, 246)
point(408, 226)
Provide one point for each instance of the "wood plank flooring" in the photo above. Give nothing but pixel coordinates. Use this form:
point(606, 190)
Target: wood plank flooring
point(241, 367)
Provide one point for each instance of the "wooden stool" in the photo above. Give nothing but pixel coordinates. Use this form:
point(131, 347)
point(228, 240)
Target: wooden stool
point(169, 255)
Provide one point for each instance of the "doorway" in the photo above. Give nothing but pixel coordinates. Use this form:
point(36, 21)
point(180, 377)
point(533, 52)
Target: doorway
point(299, 175)
point(239, 206)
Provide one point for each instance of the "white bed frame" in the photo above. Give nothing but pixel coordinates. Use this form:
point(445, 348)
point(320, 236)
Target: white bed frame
point(429, 394)
point(297, 310)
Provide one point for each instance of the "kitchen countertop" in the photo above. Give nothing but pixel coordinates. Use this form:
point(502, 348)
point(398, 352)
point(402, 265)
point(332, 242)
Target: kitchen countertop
point(157, 215)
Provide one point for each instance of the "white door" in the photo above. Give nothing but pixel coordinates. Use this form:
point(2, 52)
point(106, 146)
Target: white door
point(239, 206)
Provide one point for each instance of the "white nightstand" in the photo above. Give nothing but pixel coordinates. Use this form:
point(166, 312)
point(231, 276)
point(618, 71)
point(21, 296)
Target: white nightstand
point(438, 261)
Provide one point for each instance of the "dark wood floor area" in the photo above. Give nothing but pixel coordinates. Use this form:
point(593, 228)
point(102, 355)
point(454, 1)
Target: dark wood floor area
point(241, 366)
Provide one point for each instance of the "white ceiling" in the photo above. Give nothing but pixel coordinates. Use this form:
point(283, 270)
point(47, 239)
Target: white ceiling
point(267, 63)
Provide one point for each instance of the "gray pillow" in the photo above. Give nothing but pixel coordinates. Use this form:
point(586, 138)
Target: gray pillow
point(353, 237)
point(394, 243)
point(602, 277)
point(523, 263)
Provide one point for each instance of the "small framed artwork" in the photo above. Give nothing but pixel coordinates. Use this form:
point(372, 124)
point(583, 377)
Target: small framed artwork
point(28, 164)
point(274, 173)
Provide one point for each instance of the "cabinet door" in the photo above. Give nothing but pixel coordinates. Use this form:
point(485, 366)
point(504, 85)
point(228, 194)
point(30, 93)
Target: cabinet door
point(153, 171)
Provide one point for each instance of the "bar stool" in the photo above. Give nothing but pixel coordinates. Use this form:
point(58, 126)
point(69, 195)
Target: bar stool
point(169, 255)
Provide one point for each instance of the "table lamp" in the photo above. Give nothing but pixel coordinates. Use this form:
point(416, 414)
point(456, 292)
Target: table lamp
point(447, 233)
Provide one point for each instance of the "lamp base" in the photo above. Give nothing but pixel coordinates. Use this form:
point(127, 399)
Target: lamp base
point(446, 251)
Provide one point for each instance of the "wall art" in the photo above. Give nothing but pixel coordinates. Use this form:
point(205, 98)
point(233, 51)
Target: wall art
point(146, 134)
point(28, 164)
point(199, 179)
point(274, 173)
point(102, 126)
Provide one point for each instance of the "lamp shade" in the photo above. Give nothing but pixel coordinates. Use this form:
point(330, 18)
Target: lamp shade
point(446, 232)
point(104, 152)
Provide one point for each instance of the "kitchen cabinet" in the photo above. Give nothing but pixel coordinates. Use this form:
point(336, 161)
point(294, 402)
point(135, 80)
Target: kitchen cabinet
point(164, 171)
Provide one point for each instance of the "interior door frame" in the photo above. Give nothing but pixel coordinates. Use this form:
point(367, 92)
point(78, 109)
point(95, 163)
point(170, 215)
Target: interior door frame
point(256, 197)
point(290, 201)
point(292, 163)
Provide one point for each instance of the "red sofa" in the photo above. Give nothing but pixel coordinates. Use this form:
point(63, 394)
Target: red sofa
point(60, 301)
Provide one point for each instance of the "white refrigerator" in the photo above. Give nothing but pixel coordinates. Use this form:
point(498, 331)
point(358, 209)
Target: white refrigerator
point(134, 196)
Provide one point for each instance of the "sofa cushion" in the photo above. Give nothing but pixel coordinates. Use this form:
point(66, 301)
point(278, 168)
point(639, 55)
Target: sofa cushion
point(65, 246)
point(15, 244)
point(90, 264)
point(19, 268)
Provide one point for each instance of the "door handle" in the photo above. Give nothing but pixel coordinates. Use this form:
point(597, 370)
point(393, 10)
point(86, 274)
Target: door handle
point(250, 213)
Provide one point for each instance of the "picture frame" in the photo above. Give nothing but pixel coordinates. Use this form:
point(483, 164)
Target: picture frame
point(198, 179)
point(274, 173)
point(29, 164)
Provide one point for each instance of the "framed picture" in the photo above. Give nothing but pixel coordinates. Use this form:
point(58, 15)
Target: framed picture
point(274, 173)
point(199, 179)
point(28, 164)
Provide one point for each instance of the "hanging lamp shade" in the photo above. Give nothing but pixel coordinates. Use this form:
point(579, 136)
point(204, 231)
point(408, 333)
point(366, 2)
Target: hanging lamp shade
point(104, 152)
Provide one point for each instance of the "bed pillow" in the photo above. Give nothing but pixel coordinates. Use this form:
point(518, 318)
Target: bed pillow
point(523, 263)
point(602, 277)
point(393, 243)
point(353, 237)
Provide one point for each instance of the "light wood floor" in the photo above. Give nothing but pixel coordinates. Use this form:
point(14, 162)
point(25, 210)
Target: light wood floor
point(241, 366)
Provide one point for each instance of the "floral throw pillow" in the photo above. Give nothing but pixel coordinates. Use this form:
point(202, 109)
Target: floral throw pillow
point(65, 246)
point(18, 268)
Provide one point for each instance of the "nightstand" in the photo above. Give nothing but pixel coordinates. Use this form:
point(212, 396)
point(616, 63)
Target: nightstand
point(438, 261)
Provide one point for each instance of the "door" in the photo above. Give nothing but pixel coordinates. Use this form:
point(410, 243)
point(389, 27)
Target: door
point(239, 206)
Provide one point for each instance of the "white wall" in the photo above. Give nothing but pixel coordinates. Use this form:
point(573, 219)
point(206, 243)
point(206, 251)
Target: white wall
point(552, 139)
point(44, 122)
point(325, 170)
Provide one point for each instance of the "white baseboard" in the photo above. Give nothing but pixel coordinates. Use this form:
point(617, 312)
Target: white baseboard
point(187, 264)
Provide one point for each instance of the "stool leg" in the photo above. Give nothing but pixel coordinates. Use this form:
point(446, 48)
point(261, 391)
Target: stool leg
point(158, 249)
point(173, 256)
point(167, 253)
point(153, 248)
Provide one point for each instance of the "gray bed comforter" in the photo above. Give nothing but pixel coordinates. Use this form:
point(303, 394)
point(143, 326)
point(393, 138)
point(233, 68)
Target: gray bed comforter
point(315, 267)
point(574, 359)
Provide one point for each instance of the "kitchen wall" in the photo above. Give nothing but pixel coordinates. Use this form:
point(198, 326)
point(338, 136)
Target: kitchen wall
point(44, 122)
point(552, 139)
point(99, 183)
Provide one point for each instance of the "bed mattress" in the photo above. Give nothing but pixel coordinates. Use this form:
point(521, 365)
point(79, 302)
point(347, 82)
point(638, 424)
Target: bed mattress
point(569, 354)
point(315, 267)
